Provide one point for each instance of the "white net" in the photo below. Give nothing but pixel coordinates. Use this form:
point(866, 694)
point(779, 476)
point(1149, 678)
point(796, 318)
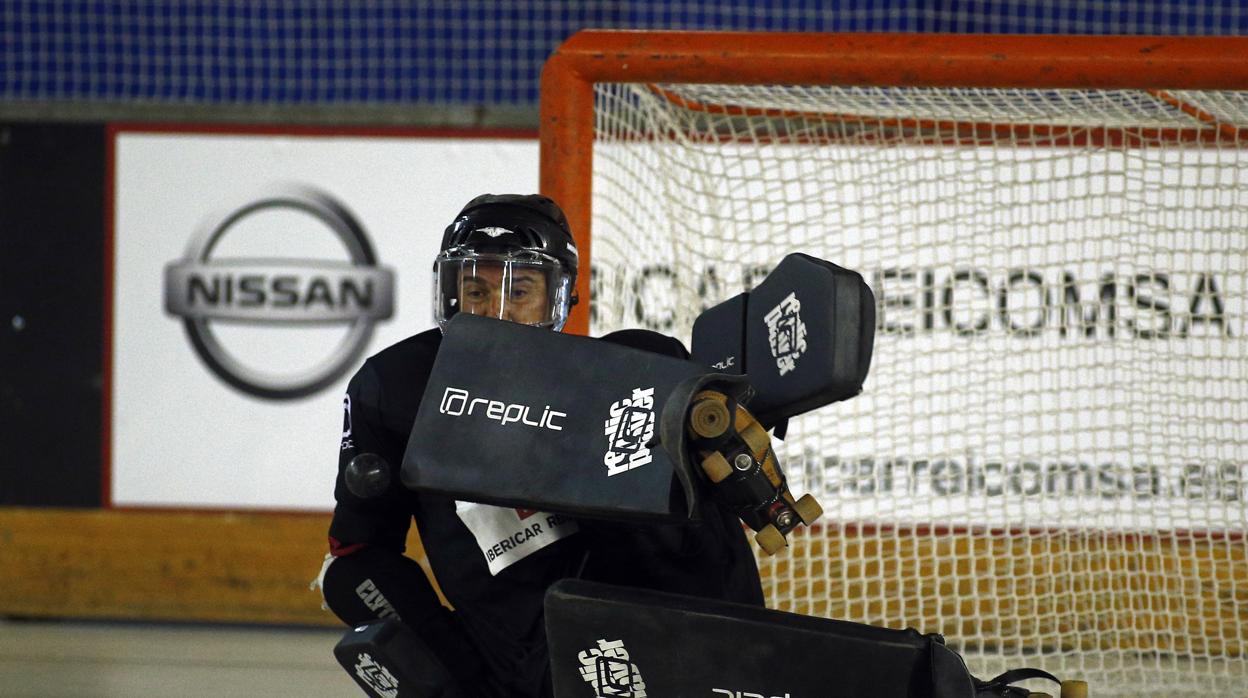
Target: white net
point(1049, 461)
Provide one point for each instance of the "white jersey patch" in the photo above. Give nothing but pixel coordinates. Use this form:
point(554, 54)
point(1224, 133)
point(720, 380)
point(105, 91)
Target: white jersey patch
point(507, 536)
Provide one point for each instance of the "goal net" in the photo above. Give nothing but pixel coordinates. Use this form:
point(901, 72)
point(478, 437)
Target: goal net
point(1049, 462)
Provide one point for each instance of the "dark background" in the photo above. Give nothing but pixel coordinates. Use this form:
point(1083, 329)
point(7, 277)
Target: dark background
point(51, 313)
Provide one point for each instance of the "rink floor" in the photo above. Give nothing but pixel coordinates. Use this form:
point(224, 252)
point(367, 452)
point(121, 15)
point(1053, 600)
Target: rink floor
point(58, 658)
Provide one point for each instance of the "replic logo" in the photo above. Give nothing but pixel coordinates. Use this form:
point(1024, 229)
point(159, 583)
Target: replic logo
point(347, 442)
point(743, 694)
point(376, 677)
point(607, 668)
point(786, 333)
point(228, 277)
point(629, 430)
point(457, 402)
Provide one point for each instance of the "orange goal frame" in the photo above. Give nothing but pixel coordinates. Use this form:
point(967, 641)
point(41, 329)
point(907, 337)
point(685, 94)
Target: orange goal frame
point(900, 60)
point(927, 588)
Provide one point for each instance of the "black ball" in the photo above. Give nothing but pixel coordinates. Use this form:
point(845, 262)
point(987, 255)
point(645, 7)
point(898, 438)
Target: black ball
point(367, 475)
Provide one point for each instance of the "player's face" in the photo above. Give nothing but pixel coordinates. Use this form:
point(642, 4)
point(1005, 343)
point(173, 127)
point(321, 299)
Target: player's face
point(485, 290)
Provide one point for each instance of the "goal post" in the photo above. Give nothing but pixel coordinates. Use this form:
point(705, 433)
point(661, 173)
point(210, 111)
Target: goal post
point(1049, 461)
point(889, 60)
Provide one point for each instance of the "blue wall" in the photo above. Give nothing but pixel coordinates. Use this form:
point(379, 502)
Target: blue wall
point(477, 52)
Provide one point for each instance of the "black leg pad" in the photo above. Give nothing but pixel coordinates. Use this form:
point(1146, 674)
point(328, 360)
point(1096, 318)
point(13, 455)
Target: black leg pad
point(388, 660)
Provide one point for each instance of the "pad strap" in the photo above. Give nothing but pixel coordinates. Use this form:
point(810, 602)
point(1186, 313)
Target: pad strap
point(1000, 685)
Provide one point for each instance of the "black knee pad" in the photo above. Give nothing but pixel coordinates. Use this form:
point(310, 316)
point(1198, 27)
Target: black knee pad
point(374, 584)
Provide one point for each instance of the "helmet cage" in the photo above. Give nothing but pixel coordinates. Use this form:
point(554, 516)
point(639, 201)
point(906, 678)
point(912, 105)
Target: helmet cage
point(519, 285)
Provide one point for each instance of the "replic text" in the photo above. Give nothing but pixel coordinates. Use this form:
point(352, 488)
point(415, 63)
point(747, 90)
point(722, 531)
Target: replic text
point(457, 402)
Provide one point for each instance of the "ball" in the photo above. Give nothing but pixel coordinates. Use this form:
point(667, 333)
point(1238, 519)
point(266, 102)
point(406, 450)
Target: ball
point(367, 475)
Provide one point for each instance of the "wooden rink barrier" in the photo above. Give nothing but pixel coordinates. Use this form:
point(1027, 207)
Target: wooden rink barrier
point(1024, 592)
point(256, 568)
point(166, 566)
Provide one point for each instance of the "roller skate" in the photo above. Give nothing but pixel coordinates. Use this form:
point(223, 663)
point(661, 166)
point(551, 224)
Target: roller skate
point(734, 452)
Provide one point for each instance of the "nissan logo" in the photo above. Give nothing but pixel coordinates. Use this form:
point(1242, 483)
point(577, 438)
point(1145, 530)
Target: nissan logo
point(280, 291)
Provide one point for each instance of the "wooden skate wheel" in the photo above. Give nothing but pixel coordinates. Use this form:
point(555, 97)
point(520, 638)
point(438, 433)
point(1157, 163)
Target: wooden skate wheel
point(716, 467)
point(1074, 689)
point(709, 418)
point(808, 509)
point(770, 539)
point(755, 436)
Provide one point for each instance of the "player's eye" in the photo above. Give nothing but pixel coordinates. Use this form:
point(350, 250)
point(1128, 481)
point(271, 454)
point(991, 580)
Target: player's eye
point(522, 290)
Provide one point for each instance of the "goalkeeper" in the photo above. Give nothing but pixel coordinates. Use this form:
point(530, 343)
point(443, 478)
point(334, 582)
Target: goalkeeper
point(510, 257)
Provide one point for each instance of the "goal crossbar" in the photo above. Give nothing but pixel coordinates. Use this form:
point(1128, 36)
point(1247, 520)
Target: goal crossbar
point(848, 59)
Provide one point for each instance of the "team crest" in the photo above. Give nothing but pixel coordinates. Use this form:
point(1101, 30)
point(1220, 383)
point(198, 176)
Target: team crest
point(607, 668)
point(786, 333)
point(629, 428)
point(377, 677)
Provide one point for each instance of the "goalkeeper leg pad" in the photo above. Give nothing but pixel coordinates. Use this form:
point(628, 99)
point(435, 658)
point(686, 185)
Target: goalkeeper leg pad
point(388, 660)
point(804, 336)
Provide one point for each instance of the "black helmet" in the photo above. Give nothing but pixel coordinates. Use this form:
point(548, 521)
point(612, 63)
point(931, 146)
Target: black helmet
point(510, 256)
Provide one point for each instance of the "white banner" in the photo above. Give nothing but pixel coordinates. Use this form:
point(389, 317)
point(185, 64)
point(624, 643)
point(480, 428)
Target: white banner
point(252, 274)
point(1061, 334)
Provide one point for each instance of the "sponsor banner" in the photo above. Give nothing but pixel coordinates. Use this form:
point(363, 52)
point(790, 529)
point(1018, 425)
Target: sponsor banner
point(1061, 337)
point(252, 274)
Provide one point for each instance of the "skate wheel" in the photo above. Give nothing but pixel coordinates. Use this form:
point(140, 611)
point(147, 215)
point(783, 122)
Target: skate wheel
point(770, 539)
point(716, 467)
point(709, 418)
point(1033, 694)
point(808, 509)
point(1074, 689)
point(755, 436)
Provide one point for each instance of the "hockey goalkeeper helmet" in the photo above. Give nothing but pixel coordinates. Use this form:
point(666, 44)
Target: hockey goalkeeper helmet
point(507, 256)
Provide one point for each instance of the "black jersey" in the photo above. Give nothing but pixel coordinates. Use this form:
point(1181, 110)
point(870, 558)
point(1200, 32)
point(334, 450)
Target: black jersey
point(500, 605)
